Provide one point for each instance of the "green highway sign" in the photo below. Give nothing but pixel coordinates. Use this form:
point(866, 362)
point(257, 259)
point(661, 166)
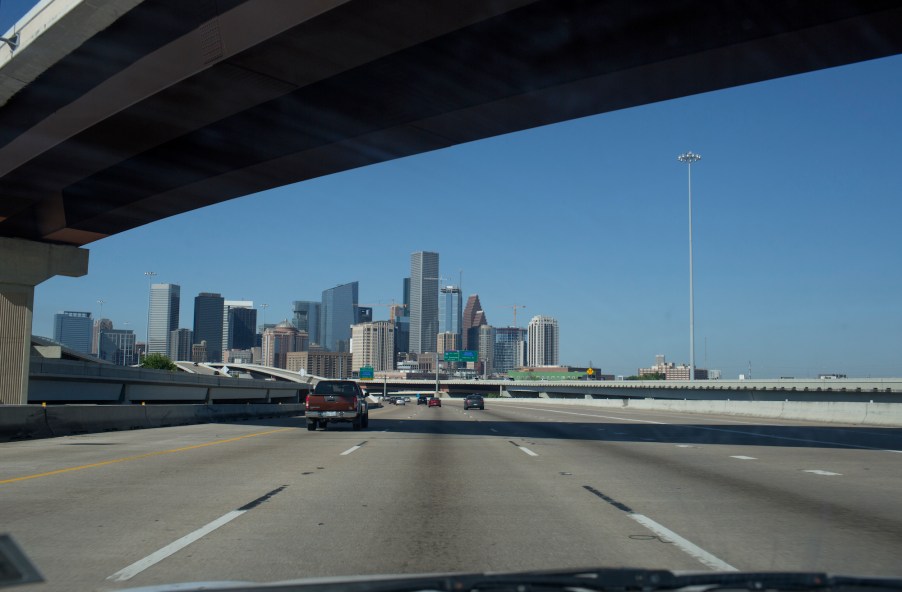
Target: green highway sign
point(462, 355)
point(366, 373)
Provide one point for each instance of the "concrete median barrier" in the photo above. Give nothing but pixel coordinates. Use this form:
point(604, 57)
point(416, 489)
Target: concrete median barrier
point(162, 416)
point(22, 421)
point(83, 419)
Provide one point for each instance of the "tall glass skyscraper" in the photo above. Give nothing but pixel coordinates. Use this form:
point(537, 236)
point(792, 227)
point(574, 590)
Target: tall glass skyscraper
point(510, 348)
point(208, 311)
point(450, 311)
point(306, 318)
point(117, 346)
point(337, 313)
point(73, 329)
point(164, 316)
point(242, 327)
point(423, 301)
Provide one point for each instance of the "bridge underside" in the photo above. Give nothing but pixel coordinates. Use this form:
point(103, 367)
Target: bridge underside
point(178, 105)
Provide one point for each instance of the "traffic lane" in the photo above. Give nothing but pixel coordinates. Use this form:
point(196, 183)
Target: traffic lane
point(768, 515)
point(680, 429)
point(27, 457)
point(422, 502)
point(81, 526)
point(845, 434)
point(876, 470)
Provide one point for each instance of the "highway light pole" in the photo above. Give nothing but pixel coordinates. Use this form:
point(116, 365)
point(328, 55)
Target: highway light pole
point(689, 158)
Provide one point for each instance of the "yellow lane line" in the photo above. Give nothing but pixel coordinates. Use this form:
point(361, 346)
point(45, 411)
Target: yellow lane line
point(140, 456)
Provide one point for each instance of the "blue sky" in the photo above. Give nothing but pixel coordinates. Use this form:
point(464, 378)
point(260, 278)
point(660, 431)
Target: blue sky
point(796, 232)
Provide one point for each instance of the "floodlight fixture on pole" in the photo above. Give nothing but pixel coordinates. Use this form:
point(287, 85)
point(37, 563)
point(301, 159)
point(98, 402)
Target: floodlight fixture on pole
point(689, 158)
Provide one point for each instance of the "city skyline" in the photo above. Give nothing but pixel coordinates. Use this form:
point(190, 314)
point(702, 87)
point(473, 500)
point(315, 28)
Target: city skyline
point(794, 208)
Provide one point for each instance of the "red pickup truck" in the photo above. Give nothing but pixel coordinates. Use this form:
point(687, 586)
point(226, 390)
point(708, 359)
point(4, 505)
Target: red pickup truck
point(336, 401)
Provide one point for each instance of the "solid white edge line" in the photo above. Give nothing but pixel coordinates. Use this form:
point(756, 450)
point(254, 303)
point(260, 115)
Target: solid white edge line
point(173, 547)
point(692, 549)
point(527, 451)
point(822, 472)
point(744, 457)
point(349, 450)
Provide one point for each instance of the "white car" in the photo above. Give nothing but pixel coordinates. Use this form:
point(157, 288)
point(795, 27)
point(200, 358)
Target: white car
point(401, 401)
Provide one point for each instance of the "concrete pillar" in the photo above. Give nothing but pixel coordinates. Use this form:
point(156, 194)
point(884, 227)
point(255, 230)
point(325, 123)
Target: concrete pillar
point(23, 265)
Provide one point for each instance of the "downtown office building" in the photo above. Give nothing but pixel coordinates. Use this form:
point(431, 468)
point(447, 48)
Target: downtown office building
point(543, 342)
point(423, 301)
point(208, 316)
point(73, 329)
point(338, 311)
point(163, 317)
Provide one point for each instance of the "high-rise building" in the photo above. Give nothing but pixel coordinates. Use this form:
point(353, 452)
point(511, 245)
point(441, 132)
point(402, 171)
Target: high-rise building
point(227, 315)
point(510, 348)
point(363, 314)
point(73, 329)
point(99, 325)
point(544, 342)
point(180, 342)
point(405, 295)
point(320, 363)
point(241, 326)
point(306, 318)
point(486, 348)
point(423, 301)
point(450, 310)
point(337, 312)
point(373, 345)
point(165, 300)
point(279, 341)
point(117, 346)
point(208, 314)
point(473, 316)
point(447, 341)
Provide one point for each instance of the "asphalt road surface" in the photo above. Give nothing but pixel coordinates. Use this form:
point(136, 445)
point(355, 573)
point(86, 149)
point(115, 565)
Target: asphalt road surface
point(519, 486)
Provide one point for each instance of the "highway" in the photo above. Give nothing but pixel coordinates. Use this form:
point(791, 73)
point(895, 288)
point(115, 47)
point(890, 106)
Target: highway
point(521, 485)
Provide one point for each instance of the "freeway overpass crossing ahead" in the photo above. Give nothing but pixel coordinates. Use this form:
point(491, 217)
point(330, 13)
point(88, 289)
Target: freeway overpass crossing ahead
point(99, 94)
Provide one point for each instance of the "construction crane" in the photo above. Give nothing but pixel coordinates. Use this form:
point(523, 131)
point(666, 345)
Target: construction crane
point(391, 308)
point(515, 307)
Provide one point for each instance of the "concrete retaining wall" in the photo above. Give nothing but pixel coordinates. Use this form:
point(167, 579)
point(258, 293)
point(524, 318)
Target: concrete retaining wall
point(33, 421)
point(876, 414)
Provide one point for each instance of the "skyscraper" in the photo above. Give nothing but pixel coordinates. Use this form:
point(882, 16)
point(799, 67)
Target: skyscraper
point(99, 325)
point(450, 310)
point(73, 329)
point(423, 301)
point(473, 316)
point(242, 331)
point(164, 316)
point(180, 342)
point(117, 346)
point(374, 345)
point(208, 311)
point(306, 318)
point(279, 341)
point(510, 348)
point(486, 347)
point(544, 339)
point(337, 314)
point(227, 330)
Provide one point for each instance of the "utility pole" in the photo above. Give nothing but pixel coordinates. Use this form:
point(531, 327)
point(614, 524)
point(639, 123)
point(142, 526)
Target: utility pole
point(689, 158)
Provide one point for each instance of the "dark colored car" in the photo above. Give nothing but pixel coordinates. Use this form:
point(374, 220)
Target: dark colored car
point(422, 399)
point(435, 402)
point(472, 401)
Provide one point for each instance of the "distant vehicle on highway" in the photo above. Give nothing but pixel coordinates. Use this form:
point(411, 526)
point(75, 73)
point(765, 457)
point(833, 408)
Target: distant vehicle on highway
point(336, 401)
point(400, 401)
point(435, 402)
point(422, 399)
point(407, 399)
point(472, 401)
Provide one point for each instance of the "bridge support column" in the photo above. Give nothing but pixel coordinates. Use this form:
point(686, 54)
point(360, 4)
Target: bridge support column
point(23, 265)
